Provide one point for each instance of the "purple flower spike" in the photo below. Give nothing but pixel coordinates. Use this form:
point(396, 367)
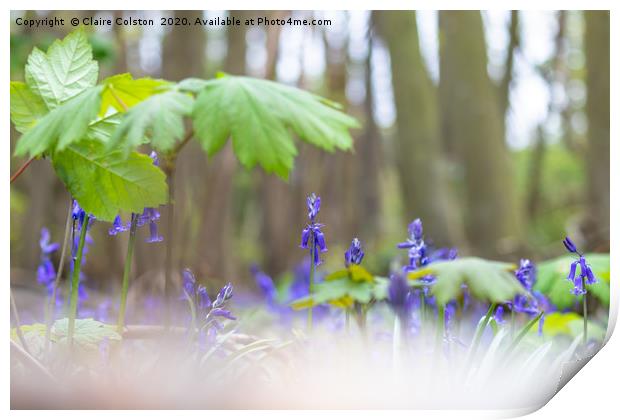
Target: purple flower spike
point(569, 245)
point(314, 206)
point(585, 276)
point(189, 282)
point(355, 253)
point(415, 230)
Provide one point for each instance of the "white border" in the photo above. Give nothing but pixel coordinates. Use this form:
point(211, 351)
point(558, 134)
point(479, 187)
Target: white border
point(591, 394)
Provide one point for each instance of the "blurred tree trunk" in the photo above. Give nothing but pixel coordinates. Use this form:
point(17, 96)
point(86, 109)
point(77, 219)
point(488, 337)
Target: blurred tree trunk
point(513, 45)
point(277, 199)
point(418, 150)
point(368, 154)
point(597, 46)
point(184, 56)
point(217, 229)
point(475, 126)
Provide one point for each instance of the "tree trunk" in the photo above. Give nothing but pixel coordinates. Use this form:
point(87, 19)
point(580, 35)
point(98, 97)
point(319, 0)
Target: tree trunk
point(597, 108)
point(474, 125)
point(417, 146)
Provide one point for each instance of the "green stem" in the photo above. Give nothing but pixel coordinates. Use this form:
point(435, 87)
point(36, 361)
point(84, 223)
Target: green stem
point(522, 334)
point(170, 239)
point(311, 285)
point(61, 265)
point(512, 323)
point(127, 272)
point(585, 319)
point(75, 281)
point(479, 330)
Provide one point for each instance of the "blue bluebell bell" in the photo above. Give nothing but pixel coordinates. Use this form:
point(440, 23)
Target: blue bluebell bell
point(118, 226)
point(312, 236)
point(498, 316)
point(355, 253)
point(585, 276)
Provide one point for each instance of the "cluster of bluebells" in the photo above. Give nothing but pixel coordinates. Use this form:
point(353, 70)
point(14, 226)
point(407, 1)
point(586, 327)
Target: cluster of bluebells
point(355, 254)
point(586, 276)
point(312, 237)
point(209, 312)
point(149, 215)
point(531, 304)
point(46, 273)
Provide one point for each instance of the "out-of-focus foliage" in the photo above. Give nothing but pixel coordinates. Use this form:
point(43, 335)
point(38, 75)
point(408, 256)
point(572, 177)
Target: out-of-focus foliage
point(490, 281)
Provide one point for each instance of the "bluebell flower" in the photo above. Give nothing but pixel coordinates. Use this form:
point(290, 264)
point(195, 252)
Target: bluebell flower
point(585, 276)
point(118, 226)
point(355, 253)
point(526, 274)
point(189, 282)
point(203, 299)
point(46, 273)
point(265, 284)
point(417, 247)
point(400, 295)
point(46, 247)
point(498, 316)
point(312, 237)
point(154, 157)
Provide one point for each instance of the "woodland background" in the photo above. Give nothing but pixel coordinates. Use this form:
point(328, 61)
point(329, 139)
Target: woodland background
point(493, 128)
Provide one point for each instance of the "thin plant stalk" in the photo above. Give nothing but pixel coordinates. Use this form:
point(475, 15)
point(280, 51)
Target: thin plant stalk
point(441, 322)
point(127, 272)
point(75, 281)
point(18, 324)
point(478, 335)
point(61, 265)
point(521, 335)
point(170, 240)
point(585, 319)
point(311, 283)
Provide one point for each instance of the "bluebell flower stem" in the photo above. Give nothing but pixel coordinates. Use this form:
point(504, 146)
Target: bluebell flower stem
point(521, 335)
point(127, 272)
point(75, 281)
point(61, 265)
point(311, 280)
point(479, 331)
point(585, 318)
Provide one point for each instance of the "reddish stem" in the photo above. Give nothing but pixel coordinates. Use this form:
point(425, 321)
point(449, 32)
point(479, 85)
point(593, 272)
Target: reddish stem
point(22, 169)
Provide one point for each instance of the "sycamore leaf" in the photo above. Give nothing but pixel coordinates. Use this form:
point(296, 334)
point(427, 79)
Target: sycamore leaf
point(106, 182)
point(259, 116)
point(101, 130)
point(341, 288)
point(66, 70)
point(88, 333)
point(160, 117)
point(26, 107)
point(123, 91)
point(487, 280)
point(551, 279)
point(64, 125)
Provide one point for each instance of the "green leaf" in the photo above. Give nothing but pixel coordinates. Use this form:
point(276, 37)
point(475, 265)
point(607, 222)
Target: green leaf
point(551, 279)
point(34, 335)
point(487, 280)
point(106, 182)
point(26, 107)
point(88, 333)
point(123, 91)
point(160, 117)
point(65, 125)
point(101, 130)
point(342, 292)
point(66, 70)
point(259, 115)
point(570, 324)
